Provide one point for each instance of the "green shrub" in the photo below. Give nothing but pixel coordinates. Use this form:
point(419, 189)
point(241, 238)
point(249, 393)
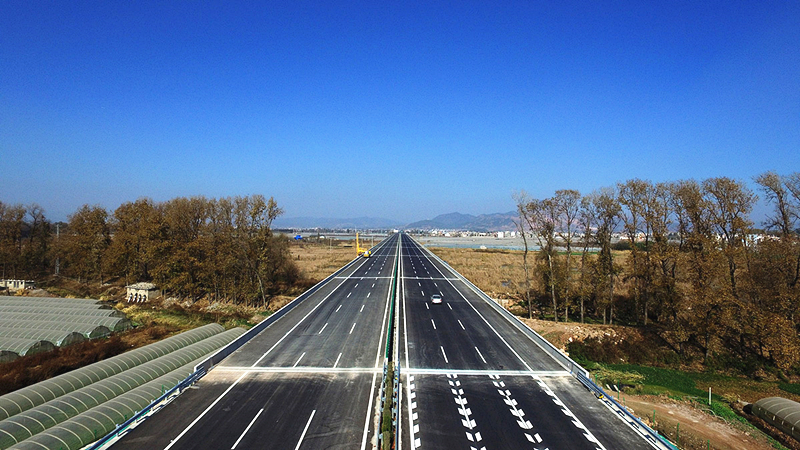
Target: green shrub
point(792, 388)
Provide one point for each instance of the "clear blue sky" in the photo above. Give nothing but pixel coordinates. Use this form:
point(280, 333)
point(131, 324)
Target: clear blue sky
point(345, 109)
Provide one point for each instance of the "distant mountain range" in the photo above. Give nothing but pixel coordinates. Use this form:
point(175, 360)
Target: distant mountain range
point(468, 222)
point(361, 223)
point(451, 221)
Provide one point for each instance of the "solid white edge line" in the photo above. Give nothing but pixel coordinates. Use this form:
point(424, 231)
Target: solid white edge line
point(402, 280)
point(308, 424)
point(197, 419)
point(375, 374)
point(497, 333)
point(247, 429)
point(505, 342)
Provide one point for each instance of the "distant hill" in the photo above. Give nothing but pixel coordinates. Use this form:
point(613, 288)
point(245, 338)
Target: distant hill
point(458, 221)
point(451, 221)
point(360, 223)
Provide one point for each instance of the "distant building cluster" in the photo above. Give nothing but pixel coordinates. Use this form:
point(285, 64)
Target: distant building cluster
point(466, 234)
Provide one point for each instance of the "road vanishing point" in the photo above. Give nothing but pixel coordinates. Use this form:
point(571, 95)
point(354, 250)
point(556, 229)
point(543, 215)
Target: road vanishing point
point(470, 378)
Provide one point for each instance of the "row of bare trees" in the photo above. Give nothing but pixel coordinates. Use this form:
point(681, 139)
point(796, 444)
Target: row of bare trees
point(693, 266)
point(190, 247)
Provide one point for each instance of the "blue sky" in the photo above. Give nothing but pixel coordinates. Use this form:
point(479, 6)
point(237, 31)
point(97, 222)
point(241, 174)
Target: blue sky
point(402, 110)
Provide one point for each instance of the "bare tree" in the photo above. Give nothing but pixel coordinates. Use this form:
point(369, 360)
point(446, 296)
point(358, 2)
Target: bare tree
point(729, 204)
point(522, 199)
point(568, 202)
point(607, 209)
point(542, 216)
point(778, 193)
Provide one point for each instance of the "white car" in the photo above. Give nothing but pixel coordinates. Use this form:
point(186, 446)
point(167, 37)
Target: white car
point(436, 298)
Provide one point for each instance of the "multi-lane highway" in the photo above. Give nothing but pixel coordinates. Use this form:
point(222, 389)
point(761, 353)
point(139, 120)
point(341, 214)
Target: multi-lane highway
point(470, 378)
point(309, 380)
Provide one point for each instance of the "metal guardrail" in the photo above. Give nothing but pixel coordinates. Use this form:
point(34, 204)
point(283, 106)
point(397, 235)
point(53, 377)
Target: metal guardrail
point(224, 352)
point(545, 345)
point(388, 357)
point(581, 374)
point(201, 369)
point(152, 408)
point(651, 435)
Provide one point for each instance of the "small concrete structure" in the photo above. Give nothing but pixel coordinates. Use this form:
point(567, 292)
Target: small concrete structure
point(141, 292)
point(16, 285)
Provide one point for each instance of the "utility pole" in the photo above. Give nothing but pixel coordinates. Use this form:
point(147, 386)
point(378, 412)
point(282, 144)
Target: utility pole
point(58, 233)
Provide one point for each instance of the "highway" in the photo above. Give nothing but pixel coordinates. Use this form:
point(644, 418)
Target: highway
point(471, 379)
point(309, 380)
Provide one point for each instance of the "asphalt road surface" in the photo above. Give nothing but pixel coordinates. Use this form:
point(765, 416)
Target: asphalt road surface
point(308, 381)
point(471, 379)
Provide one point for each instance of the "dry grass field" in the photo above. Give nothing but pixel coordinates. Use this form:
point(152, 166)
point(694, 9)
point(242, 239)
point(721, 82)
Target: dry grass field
point(317, 261)
point(497, 272)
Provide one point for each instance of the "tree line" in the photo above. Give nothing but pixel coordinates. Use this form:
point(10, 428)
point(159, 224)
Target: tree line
point(189, 247)
point(681, 257)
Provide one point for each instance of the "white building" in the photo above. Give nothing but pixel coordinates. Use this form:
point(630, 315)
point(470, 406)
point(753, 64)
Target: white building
point(16, 285)
point(141, 292)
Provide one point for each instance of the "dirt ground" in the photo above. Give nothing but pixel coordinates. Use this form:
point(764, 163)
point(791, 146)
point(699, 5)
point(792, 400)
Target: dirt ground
point(698, 429)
